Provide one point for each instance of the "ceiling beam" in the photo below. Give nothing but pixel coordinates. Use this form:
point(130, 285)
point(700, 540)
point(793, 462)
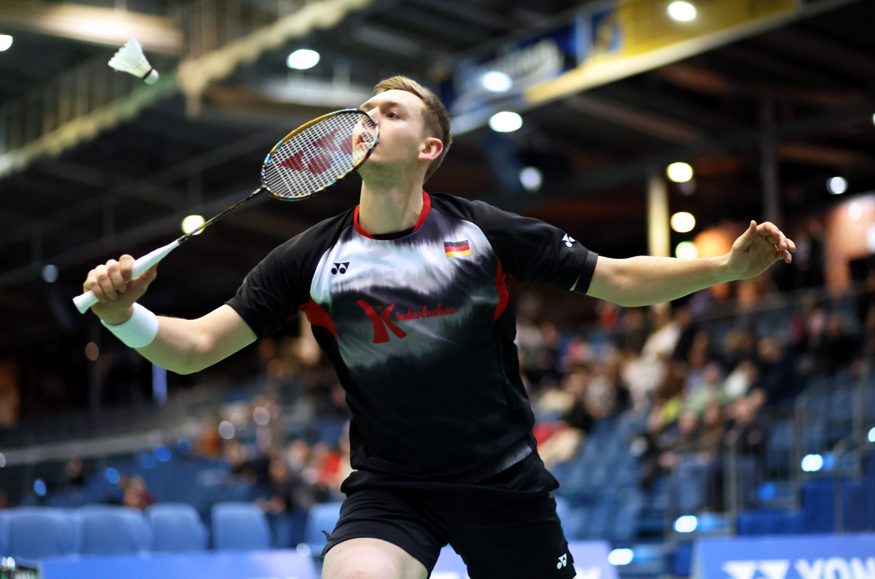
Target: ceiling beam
point(704, 81)
point(829, 53)
point(108, 26)
point(823, 155)
point(635, 119)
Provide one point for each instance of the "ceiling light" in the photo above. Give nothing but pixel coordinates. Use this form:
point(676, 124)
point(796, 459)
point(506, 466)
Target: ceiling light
point(679, 172)
point(505, 122)
point(5, 42)
point(837, 185)
point(496, 81)
point(191, 223)
point(50, 273)
point(682, 11)
point(686, 250)
point(683, 222)
point(531, 178)
point(303, 59)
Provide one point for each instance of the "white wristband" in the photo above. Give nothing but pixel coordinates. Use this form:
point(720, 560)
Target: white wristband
point(140, 329)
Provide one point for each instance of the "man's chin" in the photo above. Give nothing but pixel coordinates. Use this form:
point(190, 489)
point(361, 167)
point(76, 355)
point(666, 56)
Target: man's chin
point(370, 168)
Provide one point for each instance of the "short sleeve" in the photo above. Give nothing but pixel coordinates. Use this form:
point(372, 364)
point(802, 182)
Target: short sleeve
point(532, 250)
point(269, 296)
point(275, 289)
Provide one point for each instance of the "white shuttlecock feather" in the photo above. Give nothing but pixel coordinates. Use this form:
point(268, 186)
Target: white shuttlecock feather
point(130, 58)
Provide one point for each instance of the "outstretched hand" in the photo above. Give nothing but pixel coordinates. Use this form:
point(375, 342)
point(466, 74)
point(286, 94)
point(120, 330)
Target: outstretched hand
point(757, 249)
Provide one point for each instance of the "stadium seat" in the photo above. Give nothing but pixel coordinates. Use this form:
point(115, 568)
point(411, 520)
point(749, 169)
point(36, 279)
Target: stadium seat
point(114, 530)
point(238, 527)
point(176, 528)
point(36, 533)
point(322, 517)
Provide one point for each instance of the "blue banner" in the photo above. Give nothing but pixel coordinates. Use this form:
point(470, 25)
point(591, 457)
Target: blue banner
point(227, 565)
point(469, 96)
point(786, 557)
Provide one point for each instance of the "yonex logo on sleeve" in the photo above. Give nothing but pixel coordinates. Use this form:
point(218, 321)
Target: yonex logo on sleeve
point(569, 241)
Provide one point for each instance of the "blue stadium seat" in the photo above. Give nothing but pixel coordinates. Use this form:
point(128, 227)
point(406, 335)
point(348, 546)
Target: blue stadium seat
point(36, 533)
point(779, 446)
point(770, 522)
point(176, 528)
point(239, 526)
point(817, 505)
point(322, 517)
point(625, 525)
point(114, 530)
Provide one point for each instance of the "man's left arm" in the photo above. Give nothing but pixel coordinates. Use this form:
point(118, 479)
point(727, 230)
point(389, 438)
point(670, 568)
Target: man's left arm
point(645, 280)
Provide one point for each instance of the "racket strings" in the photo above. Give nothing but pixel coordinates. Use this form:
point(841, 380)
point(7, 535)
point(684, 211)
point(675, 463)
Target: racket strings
point(319, 155)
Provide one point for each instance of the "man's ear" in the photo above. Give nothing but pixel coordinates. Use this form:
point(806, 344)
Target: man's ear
point(431, 149)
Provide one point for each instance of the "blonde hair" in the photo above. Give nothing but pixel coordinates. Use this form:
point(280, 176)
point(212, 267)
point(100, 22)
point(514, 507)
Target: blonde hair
point(437, 120)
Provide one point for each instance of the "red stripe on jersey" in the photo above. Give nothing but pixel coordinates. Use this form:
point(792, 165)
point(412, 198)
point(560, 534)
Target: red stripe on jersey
point(317, 316)
point(426, 207)
point(503, 292)
point(358, 226)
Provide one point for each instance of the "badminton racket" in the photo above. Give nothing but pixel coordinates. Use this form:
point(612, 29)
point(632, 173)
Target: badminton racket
point(308, 160)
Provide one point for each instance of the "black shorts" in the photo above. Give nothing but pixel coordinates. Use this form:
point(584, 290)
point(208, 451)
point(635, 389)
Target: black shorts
point(503, 528)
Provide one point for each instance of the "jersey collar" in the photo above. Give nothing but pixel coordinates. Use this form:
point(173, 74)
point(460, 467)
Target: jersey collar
point(423, 215)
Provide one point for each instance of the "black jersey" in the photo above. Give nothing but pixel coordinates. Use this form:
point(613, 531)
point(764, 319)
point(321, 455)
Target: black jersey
point(419, 330)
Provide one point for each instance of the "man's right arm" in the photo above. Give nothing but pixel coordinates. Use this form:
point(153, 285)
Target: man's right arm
point(188, 346)
point(180, 345)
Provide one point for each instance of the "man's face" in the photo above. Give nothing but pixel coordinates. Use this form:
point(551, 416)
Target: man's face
point(402, 128)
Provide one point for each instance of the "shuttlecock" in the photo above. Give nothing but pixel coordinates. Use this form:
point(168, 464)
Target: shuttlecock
point(130, 58)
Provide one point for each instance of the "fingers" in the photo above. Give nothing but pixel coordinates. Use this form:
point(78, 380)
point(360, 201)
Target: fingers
point(783, 245)
point(126, 264)
point(108, 281)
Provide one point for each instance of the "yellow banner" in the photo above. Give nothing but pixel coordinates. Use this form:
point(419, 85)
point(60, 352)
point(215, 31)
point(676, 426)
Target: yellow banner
point(639, 35)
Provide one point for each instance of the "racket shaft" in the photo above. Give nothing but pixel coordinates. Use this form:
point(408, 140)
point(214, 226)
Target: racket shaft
point(84, 301)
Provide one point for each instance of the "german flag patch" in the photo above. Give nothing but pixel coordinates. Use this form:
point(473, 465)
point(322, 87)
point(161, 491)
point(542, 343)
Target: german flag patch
point(457, 248)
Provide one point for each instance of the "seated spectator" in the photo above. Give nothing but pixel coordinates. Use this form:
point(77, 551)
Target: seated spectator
point(135, 494)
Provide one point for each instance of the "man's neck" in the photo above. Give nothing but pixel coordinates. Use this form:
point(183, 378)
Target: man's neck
point(389, 209)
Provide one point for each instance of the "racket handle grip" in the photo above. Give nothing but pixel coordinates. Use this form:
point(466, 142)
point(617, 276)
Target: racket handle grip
point(85, 300)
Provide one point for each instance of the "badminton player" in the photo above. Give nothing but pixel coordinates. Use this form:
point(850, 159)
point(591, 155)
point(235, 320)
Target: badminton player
point(407, 295)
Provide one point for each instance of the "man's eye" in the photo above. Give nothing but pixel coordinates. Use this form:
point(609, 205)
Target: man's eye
point(392, 115)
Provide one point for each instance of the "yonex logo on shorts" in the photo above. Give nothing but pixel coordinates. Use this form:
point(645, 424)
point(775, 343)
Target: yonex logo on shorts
point(563, 561)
